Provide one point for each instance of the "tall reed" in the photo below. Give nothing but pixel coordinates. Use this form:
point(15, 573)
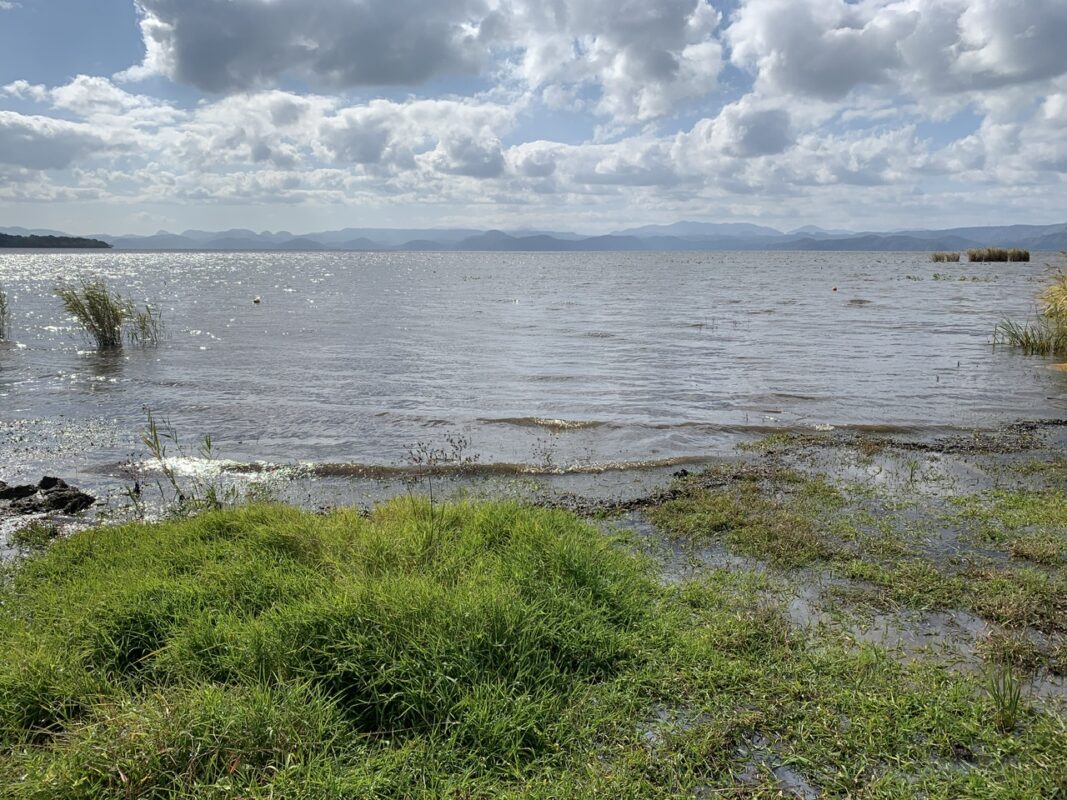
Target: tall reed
point(3, 314)
point(998, 254)
point(1047, 335)
point(107, 316)
point(942, 257)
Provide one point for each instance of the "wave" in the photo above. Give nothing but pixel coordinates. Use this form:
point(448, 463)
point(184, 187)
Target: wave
point(545, 422)
point(204, 468)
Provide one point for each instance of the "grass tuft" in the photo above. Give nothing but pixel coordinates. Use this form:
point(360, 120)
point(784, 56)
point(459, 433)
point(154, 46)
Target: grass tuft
point(944, 257)
point(1047, 335)
point(1006, 691)
point(107, 317)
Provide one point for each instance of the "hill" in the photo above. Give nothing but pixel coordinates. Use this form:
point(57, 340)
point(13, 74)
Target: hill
point(36, 241)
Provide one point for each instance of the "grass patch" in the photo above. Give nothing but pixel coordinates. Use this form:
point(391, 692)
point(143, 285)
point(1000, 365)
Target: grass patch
point(998, 254)
point(1045, 549)
point(35, 536)
point(1029, 524)
point(940, 258)
point(782, 531)
point(503, 651)
point(107, 317)
point(1010, 649)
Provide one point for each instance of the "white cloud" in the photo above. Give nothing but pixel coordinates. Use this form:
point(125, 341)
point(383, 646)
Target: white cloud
point(37, 142)
point(826, 49)
point(644, 58)
point(823, 118)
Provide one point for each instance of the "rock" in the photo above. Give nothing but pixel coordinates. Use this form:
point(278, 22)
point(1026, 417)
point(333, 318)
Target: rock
point(16, 492)
point(49, 495)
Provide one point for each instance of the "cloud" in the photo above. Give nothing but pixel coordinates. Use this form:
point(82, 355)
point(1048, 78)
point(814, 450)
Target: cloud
point(826, 49)
point(37, 142)
point(822, 48)
point(743, 131)
point(643, 58)
point(236, 45)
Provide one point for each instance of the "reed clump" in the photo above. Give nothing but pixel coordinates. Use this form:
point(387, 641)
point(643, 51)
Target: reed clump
point(3, 314)
point(1047, 335)
point(108, 318)
point(943, 257)
point(998, 254)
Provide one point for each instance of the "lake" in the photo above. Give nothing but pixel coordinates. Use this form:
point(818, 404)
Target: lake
point(556, 361)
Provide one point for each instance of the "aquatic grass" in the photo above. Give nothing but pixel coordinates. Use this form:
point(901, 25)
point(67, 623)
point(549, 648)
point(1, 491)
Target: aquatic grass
point(4, 311)
point(1046, 335)
point(1042, 337)
point(1006, 691)
point(988, 254)
point(1047, 548)
point(944, 257)
point(107, 317)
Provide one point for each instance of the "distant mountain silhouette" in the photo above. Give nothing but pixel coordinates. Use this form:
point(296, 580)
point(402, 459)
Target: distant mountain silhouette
point(679, 236)
point(686, 229)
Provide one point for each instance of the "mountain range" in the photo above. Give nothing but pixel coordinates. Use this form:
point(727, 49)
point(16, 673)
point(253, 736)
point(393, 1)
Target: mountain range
point(684, 235)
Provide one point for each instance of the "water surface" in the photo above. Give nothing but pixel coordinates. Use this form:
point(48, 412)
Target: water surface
point(557, 360)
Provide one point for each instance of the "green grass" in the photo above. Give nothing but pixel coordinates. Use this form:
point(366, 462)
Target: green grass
point(502, 651)
point(107, 317)
point(1031, 524)
point(1042, 337)
point(34, 536)
point(782, 531)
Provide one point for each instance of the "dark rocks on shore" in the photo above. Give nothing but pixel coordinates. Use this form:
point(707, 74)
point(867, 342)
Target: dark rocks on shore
point(49, 495)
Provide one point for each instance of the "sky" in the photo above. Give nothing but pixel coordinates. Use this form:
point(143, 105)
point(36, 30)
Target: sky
point(132, 116)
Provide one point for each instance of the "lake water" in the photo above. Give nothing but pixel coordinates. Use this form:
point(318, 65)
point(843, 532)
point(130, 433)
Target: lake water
point(560, 360)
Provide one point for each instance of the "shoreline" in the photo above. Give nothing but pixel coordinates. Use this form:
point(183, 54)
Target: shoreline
point(936, 569)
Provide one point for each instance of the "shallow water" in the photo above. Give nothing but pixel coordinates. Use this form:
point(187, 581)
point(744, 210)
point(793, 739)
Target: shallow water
point(538, 359)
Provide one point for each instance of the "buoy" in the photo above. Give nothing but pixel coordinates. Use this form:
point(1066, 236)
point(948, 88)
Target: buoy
point(257, 301)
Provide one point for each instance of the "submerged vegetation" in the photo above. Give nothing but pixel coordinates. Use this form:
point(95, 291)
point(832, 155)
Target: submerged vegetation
point(107, 317)
point(1047, 335)
point(943, 257)
point(998, 254)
